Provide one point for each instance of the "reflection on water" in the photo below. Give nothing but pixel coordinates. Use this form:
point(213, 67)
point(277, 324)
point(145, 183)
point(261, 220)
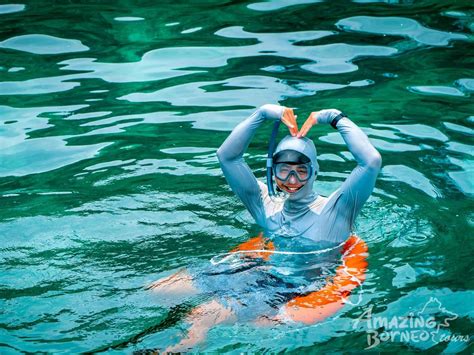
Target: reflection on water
point(399, 26)
point(109, 122)
point(43, 44)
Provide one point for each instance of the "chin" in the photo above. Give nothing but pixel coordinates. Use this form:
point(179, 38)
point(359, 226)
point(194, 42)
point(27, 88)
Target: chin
point(295, 195)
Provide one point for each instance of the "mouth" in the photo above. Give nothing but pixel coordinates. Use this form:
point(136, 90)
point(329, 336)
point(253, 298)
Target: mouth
point(292, 190)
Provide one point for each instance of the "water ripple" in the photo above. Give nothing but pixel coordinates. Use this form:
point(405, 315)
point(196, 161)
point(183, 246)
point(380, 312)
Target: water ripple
point(128, 19)
point(436, 90)
point(421, 131)
point(11, 8)
point(43, 44)
point(18, 122)
point(39, 155)
point(278, 4)
point(399, 26)
point(259, 89)
point(410, 176)
point(167, 63)
point(38, 86)
point(459, 128)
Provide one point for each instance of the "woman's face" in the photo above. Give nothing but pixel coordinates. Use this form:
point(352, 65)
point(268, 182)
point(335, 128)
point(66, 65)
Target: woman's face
point(292, 184)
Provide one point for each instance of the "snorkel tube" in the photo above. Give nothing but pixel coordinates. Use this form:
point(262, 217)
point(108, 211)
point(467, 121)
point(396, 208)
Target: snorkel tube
point(271, 149)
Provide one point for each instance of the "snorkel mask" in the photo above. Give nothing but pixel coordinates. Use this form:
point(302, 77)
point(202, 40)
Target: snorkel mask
point(301, 172)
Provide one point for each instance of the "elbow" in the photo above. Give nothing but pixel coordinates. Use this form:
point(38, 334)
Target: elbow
point(220, 155)
point(223, 156)
point(375, 161)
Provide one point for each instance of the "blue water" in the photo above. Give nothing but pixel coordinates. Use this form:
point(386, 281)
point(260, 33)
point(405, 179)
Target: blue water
point(110, 116)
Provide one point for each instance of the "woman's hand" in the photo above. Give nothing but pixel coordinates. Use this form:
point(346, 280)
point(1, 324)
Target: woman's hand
point(310, 122)
point(289, 119)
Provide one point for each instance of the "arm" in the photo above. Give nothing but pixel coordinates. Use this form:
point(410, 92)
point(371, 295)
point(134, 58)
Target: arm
point(236, 171)
point(360, 183)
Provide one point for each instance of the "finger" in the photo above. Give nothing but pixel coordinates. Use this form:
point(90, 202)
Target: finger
point(294, 132)
point(289, 116)
point(310, 122)
point(289, 119)
point(306, 127)
point(294, 129)
point(291, 127)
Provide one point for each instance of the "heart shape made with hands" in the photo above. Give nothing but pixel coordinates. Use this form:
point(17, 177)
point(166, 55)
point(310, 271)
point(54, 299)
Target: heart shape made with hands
point(289, 119)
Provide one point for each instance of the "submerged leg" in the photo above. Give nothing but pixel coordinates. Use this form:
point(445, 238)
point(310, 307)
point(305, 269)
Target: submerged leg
point(202, 318)
point(180, 283)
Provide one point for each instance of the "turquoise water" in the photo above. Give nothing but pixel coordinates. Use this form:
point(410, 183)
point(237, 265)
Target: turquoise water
point(110, 116)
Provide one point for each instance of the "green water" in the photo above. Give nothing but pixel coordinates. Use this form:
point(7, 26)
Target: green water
point(110, 116)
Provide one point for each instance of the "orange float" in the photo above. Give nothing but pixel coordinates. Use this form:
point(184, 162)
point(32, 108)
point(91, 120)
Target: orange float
point(318, 305)
point(259, 244)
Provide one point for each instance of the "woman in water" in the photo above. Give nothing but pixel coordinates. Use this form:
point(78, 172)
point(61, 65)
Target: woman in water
point(304, 216)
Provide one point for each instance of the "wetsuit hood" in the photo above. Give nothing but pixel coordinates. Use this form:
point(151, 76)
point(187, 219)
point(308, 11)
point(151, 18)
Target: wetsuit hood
point(306, 147)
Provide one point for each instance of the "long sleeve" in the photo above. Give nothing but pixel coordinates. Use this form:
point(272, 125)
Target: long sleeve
point(236, 171)
point(357, 188)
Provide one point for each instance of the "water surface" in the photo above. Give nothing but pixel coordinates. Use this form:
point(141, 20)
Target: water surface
point(110, 116)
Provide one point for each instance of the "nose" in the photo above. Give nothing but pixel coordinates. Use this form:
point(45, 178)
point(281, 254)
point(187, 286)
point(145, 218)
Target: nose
point(292, 179)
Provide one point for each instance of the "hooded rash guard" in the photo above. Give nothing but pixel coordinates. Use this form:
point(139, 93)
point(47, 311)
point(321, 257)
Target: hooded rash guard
point(311, 217)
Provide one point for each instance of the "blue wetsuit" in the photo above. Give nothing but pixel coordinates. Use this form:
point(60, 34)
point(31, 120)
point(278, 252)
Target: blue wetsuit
point(304, 214)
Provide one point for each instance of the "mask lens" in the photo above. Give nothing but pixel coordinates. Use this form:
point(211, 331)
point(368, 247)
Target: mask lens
point(301, 171)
